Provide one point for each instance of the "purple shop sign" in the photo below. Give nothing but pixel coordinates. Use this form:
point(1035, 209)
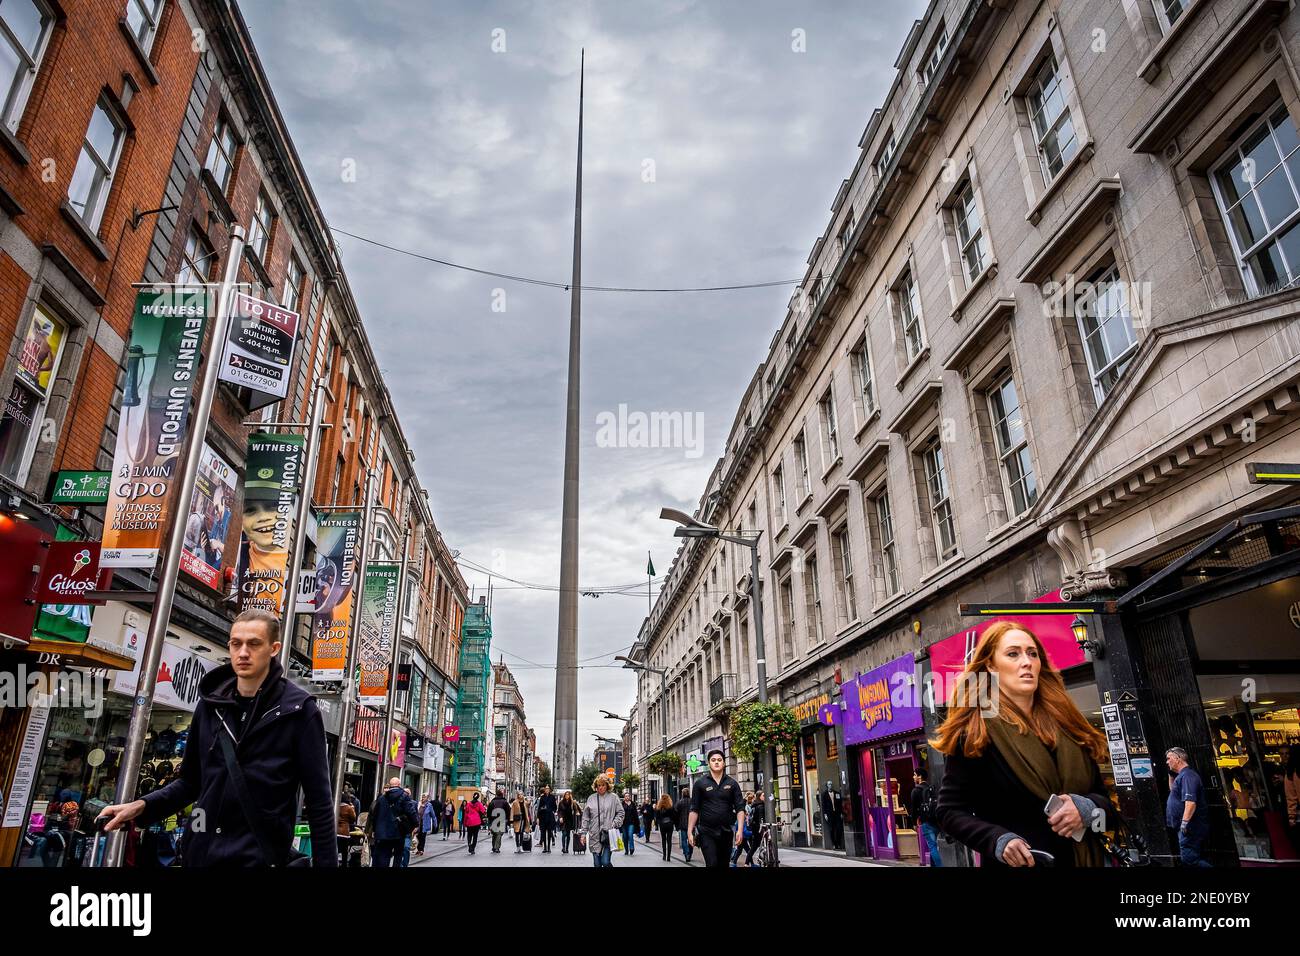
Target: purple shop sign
point(829, 714)
point(882, 702)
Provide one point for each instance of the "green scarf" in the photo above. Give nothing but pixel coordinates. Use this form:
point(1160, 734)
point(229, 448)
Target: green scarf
point(1044, 772)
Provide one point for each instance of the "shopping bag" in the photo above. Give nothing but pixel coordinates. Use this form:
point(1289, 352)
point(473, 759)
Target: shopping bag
point(615, 839)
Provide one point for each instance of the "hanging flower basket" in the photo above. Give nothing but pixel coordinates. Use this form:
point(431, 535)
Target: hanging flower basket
point(758, 727)
point(665, 763)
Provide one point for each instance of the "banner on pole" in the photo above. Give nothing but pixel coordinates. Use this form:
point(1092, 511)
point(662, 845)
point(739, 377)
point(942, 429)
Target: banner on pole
point(375, 628)
point(259, 351)
point(209, 519)
point(161, 365)
point(271, 481)
point(336, 566)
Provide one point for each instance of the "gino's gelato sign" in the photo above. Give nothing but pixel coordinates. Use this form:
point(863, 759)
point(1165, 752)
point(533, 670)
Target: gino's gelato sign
point(882, 702)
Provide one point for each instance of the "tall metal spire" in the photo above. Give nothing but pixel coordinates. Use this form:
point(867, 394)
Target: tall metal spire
point(566, 657)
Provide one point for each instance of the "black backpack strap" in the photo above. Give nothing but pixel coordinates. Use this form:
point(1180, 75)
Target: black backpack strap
point(242, 794)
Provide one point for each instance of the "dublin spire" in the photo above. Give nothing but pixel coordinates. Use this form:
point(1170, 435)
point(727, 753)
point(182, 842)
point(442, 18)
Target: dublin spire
point(566, 655)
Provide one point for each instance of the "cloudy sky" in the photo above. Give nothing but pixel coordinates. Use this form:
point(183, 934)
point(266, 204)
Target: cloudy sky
point(713, 150)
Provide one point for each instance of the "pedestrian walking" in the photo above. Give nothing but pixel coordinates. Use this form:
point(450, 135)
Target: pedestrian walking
point(631, 824)
point(754, 820)
point(647, 818)
point(472, 820)
point(579, 835)
point(665, 817)
point(602, 816)
point(745, 830)
point(350, 796)
point(568, 814)
point(498, 817)
point(255, 741)
point(717, 813)
point(346, 821)
point(448, 816)
point(684, 824)
point(1025, 778)
point(460, 816)
point(521, 819)
point(1185, 810)
point(427, 816)
point(392, 818)
point(921, 804)
point(547, 808)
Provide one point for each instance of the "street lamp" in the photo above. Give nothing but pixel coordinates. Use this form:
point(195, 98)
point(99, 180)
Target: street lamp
point(1080, 628)
point(693, 528)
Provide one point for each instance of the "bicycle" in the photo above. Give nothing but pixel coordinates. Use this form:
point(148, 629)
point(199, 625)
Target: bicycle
point(765, 853)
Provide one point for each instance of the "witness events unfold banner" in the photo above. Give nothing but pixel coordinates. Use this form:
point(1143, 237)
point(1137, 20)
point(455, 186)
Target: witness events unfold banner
point(375, 630)
point(272, 480)
point(337, 541)
point(162, 363)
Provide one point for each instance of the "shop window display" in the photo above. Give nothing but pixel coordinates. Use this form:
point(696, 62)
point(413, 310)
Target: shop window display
point(1252, 740)
point(77, 777)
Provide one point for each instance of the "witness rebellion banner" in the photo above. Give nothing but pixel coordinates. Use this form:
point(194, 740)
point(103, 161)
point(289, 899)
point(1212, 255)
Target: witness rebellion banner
point(337, 548)
point(162, 362)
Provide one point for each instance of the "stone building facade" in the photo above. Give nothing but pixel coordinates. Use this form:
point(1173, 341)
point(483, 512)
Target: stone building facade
point(1049, 323)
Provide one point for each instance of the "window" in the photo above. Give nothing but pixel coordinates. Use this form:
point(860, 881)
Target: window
point(1050, 116)
point(1256, 188)
point(259, 229)
point(93, 177)
point(292, 285)
point(830, 426)
point(1107, 329)
point(846, 233)
point(886, 153)
point(970, 234)
point(844, 559)
point(936, 482)
point(142, 17)
point(778, 492)
point(908, 303)
point(886, 548)
point(24, 409)
point(787, 619)
point(338, 474)
point(801, 464)
point(24, 33)
point(196, 262)
point(813, 601)
point(221, 153)
point(860, 360)
point(417, 698)
point(1012, 446)
point(936, 55)
point(1168, 12)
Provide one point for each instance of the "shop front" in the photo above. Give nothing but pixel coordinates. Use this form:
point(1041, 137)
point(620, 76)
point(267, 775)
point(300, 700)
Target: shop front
point(820, 790)
point(78, 756)
point(362, 760)
point(883, 730)
point(1218, 629)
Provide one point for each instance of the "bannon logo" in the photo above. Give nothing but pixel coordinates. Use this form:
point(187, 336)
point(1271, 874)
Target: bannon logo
point(77, 909)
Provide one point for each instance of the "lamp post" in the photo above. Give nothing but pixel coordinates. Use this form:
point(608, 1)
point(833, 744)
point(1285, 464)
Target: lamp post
point(691, 528)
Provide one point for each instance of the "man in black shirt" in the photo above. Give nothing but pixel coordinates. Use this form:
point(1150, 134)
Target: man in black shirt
point(717, 820)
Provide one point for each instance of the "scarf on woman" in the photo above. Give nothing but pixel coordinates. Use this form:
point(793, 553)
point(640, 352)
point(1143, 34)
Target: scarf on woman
point(1043, 772)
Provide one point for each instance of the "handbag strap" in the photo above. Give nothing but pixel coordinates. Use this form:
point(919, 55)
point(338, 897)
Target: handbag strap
point(241, 791)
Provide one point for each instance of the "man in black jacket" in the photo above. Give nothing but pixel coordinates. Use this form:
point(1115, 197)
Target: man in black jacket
point(921, 807)
point(277, 736)
point(391, 820)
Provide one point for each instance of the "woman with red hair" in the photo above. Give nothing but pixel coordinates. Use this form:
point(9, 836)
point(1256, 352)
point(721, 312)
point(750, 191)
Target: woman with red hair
point(1015, 744)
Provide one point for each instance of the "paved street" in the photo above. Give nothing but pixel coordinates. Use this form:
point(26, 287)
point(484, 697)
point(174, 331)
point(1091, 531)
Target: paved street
point(453, 853)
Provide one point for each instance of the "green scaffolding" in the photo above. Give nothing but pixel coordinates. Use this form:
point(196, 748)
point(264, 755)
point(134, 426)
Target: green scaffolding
point(472, 704)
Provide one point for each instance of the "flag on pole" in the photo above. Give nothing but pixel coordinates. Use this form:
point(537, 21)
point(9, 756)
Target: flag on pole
point(650, 565)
